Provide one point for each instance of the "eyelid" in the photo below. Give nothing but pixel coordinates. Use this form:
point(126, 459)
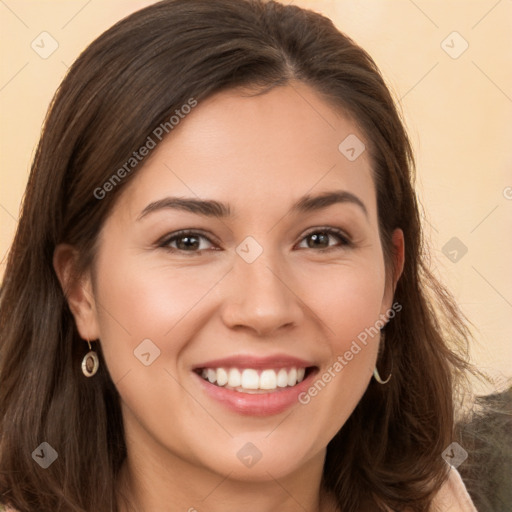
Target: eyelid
point(164, 241)
point(329, 230)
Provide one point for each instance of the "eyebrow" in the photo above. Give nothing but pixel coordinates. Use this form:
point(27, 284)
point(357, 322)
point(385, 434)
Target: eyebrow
point(216, 209)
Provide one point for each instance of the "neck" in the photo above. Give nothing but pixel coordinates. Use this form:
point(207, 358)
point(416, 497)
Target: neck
point(166, 482)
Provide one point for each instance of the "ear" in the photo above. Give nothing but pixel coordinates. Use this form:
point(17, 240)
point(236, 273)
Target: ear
point(78, 291)
point(398, 259)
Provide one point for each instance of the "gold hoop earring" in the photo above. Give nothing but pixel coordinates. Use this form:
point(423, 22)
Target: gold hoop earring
point(378, 378)
point(90, 362)
point(376, 374)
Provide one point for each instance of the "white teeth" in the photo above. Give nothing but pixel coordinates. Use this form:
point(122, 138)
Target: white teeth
point(292, 377)
point(222, 377)
point(211, 375)
point(268, 379)
point(235, 379)
point(282, 378)
point(250, 379)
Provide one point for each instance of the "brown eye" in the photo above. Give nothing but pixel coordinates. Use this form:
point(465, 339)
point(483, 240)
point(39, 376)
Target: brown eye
point(186, 241)
point(325, 239)
point(319, 239)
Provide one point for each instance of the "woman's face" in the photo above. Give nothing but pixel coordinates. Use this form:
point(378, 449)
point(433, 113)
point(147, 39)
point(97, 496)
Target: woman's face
point(275, 286)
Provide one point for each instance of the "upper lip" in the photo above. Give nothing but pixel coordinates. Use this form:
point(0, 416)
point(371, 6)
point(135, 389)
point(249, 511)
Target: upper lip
point(248, 361)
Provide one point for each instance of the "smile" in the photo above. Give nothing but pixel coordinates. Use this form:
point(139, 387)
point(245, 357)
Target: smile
point(250, 380)
point(255, 386)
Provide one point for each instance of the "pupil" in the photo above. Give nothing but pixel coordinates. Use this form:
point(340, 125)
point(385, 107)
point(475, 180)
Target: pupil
point(187, 242)
point(319, 239)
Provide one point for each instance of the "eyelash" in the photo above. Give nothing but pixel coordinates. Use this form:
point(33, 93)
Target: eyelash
point(344, 239)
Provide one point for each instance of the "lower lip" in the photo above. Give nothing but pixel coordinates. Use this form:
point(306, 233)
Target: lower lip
point(257, 404)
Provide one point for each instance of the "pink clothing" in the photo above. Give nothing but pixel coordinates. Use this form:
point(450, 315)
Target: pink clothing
point(453, 496)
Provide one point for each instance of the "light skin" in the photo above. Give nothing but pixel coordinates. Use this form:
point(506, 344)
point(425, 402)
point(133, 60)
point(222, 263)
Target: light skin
point(260, 155)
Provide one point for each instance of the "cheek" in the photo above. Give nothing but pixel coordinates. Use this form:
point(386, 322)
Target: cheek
point(147, 316)
point(348, 304)
point(347, 298)
point(138, 301)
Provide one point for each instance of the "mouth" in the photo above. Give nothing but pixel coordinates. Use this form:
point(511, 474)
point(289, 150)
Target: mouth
point(255, 381)
point(255, 386)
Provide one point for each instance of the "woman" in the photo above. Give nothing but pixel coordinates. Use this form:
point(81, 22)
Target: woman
point(219, 227)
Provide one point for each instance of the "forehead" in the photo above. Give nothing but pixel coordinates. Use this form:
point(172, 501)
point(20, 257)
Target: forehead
point(261, 151)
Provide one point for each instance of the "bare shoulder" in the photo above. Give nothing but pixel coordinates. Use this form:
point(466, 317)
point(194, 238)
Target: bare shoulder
point(453, 495)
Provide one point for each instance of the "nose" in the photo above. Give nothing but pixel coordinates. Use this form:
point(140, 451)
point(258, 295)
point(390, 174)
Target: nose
point(260, 298)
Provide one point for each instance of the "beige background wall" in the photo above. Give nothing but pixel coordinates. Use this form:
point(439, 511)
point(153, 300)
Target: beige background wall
point(457, 103)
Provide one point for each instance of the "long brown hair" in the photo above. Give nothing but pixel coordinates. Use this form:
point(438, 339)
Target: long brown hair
point(129, 81)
